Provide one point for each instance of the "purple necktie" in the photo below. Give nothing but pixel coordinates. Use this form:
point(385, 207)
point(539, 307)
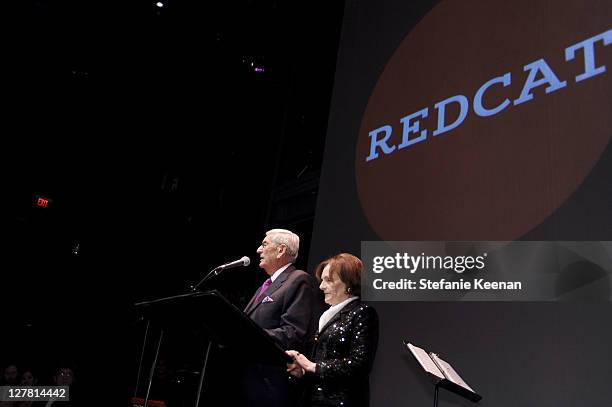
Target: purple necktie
point(263, 288)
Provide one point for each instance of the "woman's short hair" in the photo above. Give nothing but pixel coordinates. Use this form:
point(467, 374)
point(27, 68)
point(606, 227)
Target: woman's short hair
point(347, 268)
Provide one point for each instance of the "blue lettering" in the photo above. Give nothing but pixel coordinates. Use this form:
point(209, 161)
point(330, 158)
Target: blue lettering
point(479, 108)
point(441, 107)
point(548, 77)
point(589, 55)
point(410, 128)
point(382, 143)
point(379, 138)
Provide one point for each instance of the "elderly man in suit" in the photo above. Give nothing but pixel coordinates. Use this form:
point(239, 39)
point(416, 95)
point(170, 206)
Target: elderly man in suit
point(286, 307)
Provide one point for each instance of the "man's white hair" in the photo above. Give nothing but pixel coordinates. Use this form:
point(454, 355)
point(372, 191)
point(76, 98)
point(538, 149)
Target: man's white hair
point(289, 239)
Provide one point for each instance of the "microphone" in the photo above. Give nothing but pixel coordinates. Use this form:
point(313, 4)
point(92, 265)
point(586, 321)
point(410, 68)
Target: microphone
point(243, 262)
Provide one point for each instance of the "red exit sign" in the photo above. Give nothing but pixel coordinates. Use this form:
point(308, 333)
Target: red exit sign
point(41, 201)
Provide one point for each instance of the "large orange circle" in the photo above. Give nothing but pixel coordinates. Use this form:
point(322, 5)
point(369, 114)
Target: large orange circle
point(491, 178)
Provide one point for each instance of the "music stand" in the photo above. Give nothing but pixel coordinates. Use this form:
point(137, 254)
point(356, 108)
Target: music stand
point(442, 374)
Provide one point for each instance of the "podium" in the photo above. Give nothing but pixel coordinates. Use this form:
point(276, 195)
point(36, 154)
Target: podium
point(225, 325)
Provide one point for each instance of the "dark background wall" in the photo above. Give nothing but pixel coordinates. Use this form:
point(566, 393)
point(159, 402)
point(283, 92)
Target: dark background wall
point(527, 354)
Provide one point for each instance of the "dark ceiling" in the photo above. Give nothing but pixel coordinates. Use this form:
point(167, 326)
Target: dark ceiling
point(169, 136)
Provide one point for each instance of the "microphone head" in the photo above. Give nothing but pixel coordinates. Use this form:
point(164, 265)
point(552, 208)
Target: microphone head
point(245, 261)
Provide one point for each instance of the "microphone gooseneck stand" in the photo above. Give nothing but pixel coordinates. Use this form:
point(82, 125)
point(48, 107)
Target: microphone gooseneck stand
point(211, 274)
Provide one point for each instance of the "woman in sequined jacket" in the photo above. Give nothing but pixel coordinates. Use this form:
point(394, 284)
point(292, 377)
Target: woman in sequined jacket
point(339, 366)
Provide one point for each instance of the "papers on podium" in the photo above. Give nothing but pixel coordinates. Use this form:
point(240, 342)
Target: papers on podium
point(442, 372)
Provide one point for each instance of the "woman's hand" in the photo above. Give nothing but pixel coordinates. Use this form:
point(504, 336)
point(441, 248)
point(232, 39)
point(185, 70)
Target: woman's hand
point(293, 368)
point(302, 361)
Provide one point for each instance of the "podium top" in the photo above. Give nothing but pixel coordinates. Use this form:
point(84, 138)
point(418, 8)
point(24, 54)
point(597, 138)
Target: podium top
point(226, 324)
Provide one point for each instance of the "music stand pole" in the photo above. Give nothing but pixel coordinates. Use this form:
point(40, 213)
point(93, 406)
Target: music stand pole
point(436, 395)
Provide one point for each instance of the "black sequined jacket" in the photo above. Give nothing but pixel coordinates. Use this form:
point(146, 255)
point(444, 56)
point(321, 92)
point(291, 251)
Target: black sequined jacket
point(344, 352)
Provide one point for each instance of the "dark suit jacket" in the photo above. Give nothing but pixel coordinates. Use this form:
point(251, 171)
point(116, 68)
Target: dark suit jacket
point(344, 352)
point(287, 309)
